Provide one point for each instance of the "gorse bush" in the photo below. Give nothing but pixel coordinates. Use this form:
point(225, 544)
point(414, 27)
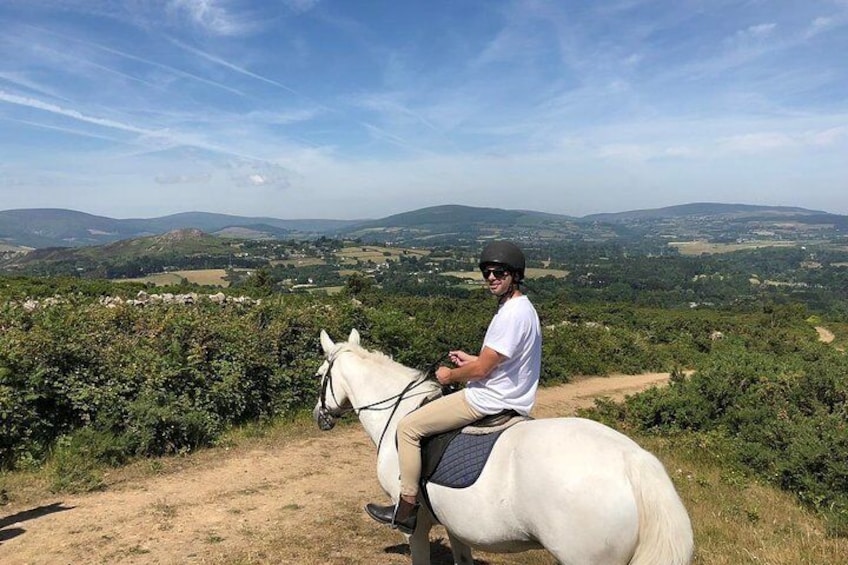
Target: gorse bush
point(785, 418)
point(159, 380)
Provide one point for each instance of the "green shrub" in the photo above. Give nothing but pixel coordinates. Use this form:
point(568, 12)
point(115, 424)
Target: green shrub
point(785, 418)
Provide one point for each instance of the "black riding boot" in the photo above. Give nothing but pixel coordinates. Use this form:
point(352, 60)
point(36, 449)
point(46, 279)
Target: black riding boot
point(403, 515)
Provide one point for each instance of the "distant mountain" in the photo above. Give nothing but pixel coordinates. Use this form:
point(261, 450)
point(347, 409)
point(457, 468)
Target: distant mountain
point(456, 223)
point(455, 214)
point(701, 209)
point(54, 227)
point(211, 223)
point(448, 224)
point(50, 227)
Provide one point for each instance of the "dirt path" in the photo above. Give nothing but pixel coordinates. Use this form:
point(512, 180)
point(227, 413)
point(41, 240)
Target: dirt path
point(296, 501)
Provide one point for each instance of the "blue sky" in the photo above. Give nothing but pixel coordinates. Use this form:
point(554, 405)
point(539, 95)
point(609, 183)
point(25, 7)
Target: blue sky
point(361, 109)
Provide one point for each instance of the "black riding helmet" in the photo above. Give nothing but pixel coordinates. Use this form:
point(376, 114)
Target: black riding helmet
point(504, 253)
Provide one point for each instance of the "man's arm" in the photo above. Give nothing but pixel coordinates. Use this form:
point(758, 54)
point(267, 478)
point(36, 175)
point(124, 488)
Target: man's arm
point(473, 370)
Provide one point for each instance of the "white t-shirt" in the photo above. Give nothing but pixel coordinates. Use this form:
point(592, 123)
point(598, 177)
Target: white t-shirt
point(515, 333)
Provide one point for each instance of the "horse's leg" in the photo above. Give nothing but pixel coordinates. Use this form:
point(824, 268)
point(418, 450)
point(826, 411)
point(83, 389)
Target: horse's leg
point(419, 544)
point(461, 552)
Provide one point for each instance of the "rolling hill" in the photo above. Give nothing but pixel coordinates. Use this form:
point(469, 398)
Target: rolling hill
point(703, 209)
point(52, 227)
point(43, 228)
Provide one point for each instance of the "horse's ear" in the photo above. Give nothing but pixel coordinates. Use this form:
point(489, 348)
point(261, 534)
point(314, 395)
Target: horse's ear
point(326, 343)
point(354, 337)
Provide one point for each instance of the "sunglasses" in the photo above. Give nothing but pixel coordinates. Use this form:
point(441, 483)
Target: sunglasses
point(499, 272)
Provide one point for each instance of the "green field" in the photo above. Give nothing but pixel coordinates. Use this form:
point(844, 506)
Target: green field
point(377, 254)
point(299, 262)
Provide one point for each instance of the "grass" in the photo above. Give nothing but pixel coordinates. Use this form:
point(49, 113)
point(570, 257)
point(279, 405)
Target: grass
point(164, 509)
point(213, 537)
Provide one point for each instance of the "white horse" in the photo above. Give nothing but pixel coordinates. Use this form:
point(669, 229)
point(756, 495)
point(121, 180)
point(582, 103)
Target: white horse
point(584, 492)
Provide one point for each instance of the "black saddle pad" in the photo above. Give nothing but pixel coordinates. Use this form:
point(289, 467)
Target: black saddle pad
point(462, 460)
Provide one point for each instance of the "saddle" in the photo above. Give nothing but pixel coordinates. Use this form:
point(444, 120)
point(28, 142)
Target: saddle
point(456, 458)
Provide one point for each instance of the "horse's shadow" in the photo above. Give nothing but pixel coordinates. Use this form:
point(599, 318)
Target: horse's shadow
point(440, 552)
point(8, 533)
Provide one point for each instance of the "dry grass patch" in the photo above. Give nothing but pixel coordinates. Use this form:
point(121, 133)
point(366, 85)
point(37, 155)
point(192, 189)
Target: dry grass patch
point(738, 521)
point(203, 277)
point(206, 277)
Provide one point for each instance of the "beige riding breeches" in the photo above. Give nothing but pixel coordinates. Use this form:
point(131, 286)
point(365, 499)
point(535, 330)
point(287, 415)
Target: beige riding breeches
point(441, 415)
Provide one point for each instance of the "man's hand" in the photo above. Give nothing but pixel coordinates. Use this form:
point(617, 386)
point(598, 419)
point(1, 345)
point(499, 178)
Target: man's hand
point(443, 376)
point(460, 358)
point(469, 367)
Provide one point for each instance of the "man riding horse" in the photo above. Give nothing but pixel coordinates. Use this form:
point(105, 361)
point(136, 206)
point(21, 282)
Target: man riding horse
point(503, 376)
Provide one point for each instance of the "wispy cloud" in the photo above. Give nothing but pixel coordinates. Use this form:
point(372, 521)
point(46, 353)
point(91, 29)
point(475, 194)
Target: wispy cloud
point(766, 142)
point(756, 142)
point(73, 114)
point(757, 32)
point(171, 70)
point(214, 16)
point(183, 179)
point(231, 66)
point(390, 106)
point(828, 137)
point(21, 81)
point(66, 130)
point(300, 6)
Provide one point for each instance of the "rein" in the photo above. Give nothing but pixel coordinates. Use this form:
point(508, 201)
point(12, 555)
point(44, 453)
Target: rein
point(326, 417)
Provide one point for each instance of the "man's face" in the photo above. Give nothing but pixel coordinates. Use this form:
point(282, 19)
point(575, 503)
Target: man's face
point(497, 278)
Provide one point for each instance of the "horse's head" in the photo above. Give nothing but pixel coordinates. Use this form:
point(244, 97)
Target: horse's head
point(333, 400)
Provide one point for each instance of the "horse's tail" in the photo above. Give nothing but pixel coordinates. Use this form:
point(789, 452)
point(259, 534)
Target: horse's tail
point(665, 532)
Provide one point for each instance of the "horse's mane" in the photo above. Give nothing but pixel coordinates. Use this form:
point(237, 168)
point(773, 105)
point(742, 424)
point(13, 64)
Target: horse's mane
point(381, 360)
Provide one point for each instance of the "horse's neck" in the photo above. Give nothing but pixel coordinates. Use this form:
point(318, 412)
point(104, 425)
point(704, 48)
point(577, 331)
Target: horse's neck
point(373, 382)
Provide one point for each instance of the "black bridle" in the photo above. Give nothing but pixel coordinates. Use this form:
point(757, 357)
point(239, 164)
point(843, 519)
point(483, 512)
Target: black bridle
point(327, 417)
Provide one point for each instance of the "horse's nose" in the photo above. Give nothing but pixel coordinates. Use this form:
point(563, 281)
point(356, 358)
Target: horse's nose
point(324, 419)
